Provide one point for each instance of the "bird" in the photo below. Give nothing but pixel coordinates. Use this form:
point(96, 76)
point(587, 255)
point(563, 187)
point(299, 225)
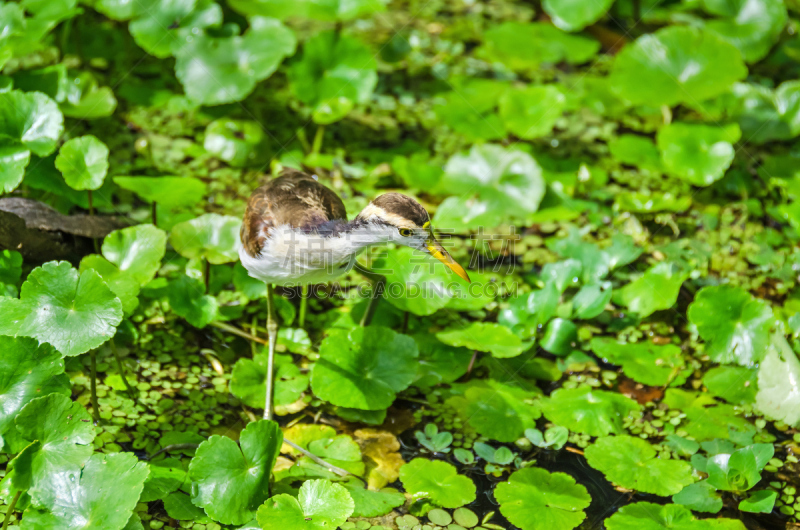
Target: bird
point(295, 232)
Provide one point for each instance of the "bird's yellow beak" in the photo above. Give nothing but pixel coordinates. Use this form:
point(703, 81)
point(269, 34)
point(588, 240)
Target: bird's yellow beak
point(438, 252)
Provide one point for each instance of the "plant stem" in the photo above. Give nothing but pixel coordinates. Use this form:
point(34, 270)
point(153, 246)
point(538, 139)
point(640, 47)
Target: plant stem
point(153, 214)
point(121, 369)
point(301, 319)
point(10, 509)
point(236, 331)
point(272, 331)
point(207, 274)
point(378, 282)
point(318, 137)
point(95, 407)
point(339, 471)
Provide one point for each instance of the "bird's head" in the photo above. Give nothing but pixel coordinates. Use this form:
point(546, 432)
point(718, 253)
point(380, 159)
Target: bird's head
point(406, 222)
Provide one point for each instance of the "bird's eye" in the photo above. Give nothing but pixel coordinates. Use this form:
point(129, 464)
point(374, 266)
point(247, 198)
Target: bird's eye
point(406, 232)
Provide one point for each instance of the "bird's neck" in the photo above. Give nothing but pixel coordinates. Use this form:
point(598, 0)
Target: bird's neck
point(357, 234)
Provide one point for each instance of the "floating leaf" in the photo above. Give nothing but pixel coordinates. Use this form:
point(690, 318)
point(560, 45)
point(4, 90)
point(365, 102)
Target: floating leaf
point(734, 324)
point(165, 477)
point(238, 142)
point(632, 463)
point(333, 66)
point(526, 313)
point(64, 431)
point(211, 236)
point(739, 470)
point(644, 362)
point(752, 26)
point(735, 384)
point(418, 283)
point(30, 370)
point(168, 192)
point(330, 10)
point(179, 506)
point(779, 383)
point(649, 516)
point(697, 153)
point(706, 419)
point(187, 299)
point(123, 286)
point(319, 504)
point(101, 496)
point(73, 313)
point(439, 362)
point(574, 15)
point(161, 28)
point(30, 119)
point(700, 497)
point(762, 501)
point(469, 109)
point(364, 368)
point(216, 70)
point(137, 251)
point(13, 161)
point(589, 411)
point(84, 162)
point(524, 46)
point(559, 336)
point(677, 64)
point(248, 381)
point(231, 481)
point(534, 499)
point(438, 482)
point(655, 290)
point(497, 410)
point(487, 337)
point(533, 111)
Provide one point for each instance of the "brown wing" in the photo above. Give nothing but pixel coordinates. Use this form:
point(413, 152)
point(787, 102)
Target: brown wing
point(294, 198)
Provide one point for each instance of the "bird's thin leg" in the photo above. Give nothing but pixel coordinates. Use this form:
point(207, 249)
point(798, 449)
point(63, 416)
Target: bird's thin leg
point(301, 319)
point(378, 282)
point(272, 332)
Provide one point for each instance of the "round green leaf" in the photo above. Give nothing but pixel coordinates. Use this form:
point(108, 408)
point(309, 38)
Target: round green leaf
point(559, 336)
point(73, 313)
point(496, 410)
point(65, 432)
point(332, 110)
point(179, 506)
point(534, 499)
point(163, 26)
point(84, 162)
point(735, 325)
point(592, 412)
point(368, 503)
point(677, 64)
point(438, 482)
point(752, 26)
point(248, 381)
point(31, 119)
point(13, 161)
point(211, 236)
point(330, 10)
point(319, 504)
point(655, 290)
point(762, 501)
point(187, 299)
point(165, 477)
point(649, 516)
point(735, 384)
point(778, 394)
point(644, 362)
point(29, 370)
point(706, 418)
point(574, 15)
point(531, 112)
point(696, 153)
point(238, 142)
point(231, 481)
point(507, 183)
point(333, 66)
point(216, 70)
point(122, 285)
point(415, 282)
point(364, 368)
point(524, 46)
point(469, 109)
point(485, 336)
point(169, 192)
point(631, 463)
point(439, 362)
point(101, 496)
point(526, 313)
point(700, 497)
point(635, 150)
point(136, 250)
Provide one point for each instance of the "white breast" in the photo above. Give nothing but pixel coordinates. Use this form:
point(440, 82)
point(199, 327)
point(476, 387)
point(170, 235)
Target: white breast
point(293, 257)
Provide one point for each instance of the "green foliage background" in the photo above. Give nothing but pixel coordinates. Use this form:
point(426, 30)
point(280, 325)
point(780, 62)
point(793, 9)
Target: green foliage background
point(621, 177)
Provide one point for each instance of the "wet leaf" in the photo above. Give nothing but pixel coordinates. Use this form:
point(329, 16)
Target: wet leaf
point(735, 384)
point(248, 381)
point(706, 419)
point(632, 463)
point(30, 370)
point(532, 112)
point(696, 153)
point(75, 313)
point(438, 482)
point(700, 497)
point(534, 499)
point(137, 251)
point(364, 368)
point(211, 236)
point(101, 496)
point(486, 337)
point(649, 516)
point(655, 290)
point(162, 27)
point(676, 65)
point(762, 501)
point(753, 27)
point(592, 412)
point(187, 299)
point(31, 120)
point(373, 503)
point(165, 477)
point(734, 324)
point(574, 15)
point(417, 283)
point(739, 470)
point(238, 142)
point(168, 192)
point(84, 162)
point(319, 504)
point(231, 481)
point(644, 362)
point(778, 394)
